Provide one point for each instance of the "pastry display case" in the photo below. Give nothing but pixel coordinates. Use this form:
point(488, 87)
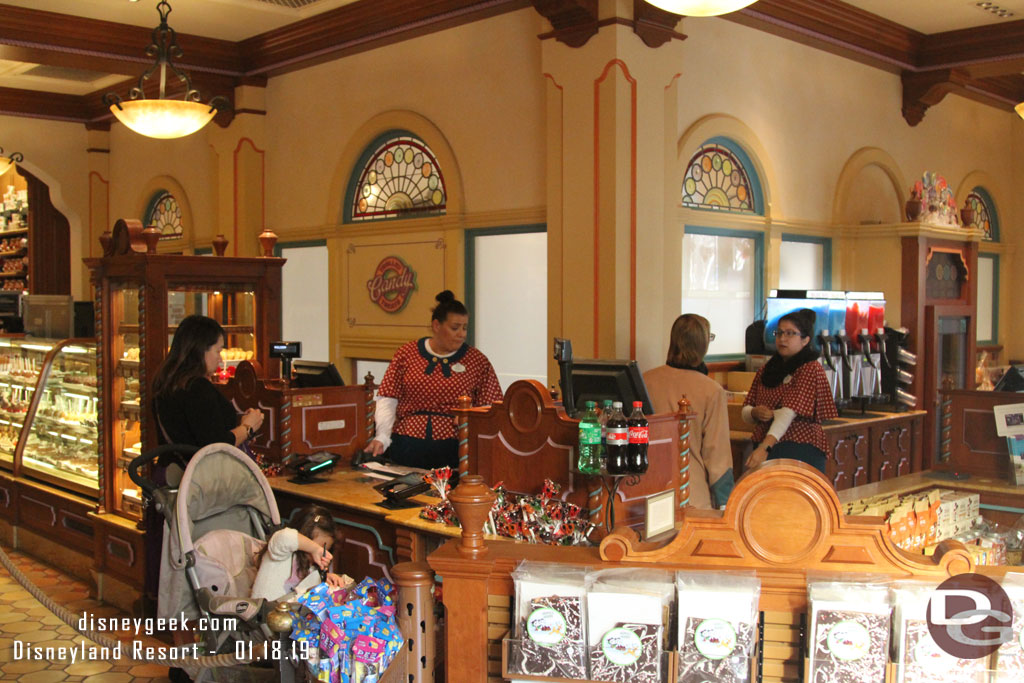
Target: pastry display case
point(60, 445)
point(21, 361)
point(141, 298)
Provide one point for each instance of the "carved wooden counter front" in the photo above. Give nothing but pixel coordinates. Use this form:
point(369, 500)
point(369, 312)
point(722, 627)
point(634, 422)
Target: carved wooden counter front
point(968, 441)
point(303, 420)
point(782, 520)
point(861, 450)
point(527, 438)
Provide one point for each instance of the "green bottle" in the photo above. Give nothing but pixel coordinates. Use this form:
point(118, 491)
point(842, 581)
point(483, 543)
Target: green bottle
point(590, 441)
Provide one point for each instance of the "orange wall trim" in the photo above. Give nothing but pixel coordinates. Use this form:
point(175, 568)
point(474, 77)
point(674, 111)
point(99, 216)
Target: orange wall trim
point(632, 206)
point(263, 187)
point(107, 183)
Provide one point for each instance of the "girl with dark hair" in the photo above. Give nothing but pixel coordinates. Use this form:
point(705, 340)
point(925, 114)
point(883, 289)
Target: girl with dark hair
point(415, 423)
point(189, 409)
point(789, 398)
point(286, 563)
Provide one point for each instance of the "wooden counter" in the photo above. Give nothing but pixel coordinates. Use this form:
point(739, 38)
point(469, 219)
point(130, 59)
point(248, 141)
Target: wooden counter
point(862, 450)
point(376, 538)
point(1000, 501)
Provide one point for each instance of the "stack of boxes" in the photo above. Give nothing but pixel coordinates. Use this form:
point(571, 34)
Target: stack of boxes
point(918, 522)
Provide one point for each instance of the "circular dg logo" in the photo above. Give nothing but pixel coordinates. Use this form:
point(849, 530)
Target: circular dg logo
point(970, 616)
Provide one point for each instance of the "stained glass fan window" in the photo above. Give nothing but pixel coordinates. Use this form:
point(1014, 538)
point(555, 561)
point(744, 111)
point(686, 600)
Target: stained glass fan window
point(982, 217)
point(715, 179)
point(165, 214)
point(401, 178)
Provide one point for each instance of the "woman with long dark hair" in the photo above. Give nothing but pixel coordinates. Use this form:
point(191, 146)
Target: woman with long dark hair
point(189, 409)
point(423, 383)
point(789, 398)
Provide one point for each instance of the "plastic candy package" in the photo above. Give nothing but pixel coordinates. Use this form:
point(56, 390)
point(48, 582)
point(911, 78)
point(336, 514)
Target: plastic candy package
point(848, 630)
point(550, 621)
point(717, 625)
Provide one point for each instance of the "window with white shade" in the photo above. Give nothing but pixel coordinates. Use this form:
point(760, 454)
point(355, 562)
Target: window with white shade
point(722, 275)
point(805, 262)
point(988, 298)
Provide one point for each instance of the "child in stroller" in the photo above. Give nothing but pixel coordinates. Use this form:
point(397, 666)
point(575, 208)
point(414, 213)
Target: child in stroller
point(286, 562)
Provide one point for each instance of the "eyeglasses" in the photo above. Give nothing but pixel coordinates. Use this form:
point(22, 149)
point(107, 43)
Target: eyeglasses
point(787, 333)
point(711, 336)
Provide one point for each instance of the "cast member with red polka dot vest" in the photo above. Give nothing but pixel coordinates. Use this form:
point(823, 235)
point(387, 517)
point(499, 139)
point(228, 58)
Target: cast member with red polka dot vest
point(422, 385)
point(789, 398)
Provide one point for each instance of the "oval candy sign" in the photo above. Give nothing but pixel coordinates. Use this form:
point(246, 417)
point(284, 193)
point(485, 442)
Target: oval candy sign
point(392, 284)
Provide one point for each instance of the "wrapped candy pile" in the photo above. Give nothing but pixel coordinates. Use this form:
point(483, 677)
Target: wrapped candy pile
point(538, 519)
point(353, 632)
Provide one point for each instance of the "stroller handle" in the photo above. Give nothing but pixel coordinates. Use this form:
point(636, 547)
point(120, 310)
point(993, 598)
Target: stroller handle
point(183, 451)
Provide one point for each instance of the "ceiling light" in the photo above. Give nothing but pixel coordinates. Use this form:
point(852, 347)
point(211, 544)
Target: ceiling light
point(164, 118)
point(701, 8)
point(8, 161)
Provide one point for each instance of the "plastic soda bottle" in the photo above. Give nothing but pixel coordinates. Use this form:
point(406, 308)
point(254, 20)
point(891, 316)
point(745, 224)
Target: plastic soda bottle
point(590, 440)
point(639, 438)
point(606, 413)
point(618, 440)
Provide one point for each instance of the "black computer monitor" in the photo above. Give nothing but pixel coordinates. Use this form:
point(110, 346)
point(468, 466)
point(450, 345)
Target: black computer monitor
point(315, 373)
point(1012, 379)
point(598, 379)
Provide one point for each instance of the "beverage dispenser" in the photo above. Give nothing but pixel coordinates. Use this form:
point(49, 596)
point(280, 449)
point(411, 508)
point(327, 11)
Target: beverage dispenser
point(865, 323)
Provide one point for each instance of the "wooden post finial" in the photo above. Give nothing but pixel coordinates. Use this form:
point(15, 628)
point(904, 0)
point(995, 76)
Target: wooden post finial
point(472, 500)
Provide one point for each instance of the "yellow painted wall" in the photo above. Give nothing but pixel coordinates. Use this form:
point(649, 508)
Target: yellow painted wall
point(513, 136)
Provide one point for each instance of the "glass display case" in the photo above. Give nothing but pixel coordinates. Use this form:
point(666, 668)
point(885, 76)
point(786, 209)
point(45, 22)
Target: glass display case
point(142, 296)
point(21, 362)
point(61, 446)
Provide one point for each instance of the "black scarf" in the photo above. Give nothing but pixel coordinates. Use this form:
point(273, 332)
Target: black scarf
point(702, 368)
point(778, 368)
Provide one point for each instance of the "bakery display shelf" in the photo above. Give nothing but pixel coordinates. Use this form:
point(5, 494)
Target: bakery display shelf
point(228, 329)
point(63, 475)
point(14, 381)
point(18, 274)
point(125, 328)
point(13, 231)
point(14, 252)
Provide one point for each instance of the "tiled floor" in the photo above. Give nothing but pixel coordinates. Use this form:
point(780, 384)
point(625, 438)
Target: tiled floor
point(24, 618)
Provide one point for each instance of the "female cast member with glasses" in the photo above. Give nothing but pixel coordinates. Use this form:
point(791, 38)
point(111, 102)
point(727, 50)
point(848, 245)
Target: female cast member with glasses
point(789, 398)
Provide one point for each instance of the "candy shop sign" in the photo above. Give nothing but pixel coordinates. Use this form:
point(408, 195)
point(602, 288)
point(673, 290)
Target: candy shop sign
point(392, 284)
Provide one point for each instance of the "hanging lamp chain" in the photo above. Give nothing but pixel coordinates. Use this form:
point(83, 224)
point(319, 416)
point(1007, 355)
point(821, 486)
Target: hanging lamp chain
point(14, 157)
point(165, 49)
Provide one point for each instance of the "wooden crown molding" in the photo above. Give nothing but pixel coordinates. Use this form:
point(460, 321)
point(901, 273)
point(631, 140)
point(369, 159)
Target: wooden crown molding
point(991, 58)
point(927, 88)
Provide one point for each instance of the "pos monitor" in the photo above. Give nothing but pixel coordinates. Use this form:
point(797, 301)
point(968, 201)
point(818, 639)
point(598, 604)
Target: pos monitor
point(315, 373)
point(597, 380)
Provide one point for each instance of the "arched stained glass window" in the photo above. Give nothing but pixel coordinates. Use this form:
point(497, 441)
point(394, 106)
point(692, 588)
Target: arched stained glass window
point(717, 178)
point(165, 213)
point(399, 177)
point(984, 214)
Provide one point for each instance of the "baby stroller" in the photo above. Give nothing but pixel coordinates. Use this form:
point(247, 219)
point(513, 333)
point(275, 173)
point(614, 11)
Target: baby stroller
point(216, 518)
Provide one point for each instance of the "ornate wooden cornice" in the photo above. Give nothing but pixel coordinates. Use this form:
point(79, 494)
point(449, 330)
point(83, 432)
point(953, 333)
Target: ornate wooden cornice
point(574, 21)
point(927, 88)
point(989, 57)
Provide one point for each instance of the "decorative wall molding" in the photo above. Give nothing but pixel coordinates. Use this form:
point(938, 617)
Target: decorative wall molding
point(924, 89)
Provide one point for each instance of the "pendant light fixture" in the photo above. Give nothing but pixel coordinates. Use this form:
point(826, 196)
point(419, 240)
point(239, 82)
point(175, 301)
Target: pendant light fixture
point(164, 118)
point(1020, 110)
point(701, 8)
point(10, 160)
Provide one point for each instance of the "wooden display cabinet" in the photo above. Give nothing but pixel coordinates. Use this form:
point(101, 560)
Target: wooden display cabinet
point(140, 297)
point(34, 237)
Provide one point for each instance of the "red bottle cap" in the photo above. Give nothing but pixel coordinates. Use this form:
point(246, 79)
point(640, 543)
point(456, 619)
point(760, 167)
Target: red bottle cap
point(638, 404)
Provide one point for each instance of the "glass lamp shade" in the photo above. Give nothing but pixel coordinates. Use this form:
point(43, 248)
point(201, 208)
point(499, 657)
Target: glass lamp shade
point(5, 165)
point(164, 119)
point(1020, 110)
point(701, 8)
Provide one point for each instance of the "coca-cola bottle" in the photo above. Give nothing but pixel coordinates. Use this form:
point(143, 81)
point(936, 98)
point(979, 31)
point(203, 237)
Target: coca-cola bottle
point(617, 440)
point(639, 437)
point(602, 418)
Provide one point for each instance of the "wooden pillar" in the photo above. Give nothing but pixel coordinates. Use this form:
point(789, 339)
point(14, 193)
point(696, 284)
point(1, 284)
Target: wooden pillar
point(415, 582)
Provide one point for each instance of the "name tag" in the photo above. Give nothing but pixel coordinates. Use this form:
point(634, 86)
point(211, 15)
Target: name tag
point(331, 424)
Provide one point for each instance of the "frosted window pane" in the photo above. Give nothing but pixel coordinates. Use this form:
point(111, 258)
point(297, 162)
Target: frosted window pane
point(718, 283)
point(503, 264)
point(801, 265)
point(986, 287)
point(304, 300)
